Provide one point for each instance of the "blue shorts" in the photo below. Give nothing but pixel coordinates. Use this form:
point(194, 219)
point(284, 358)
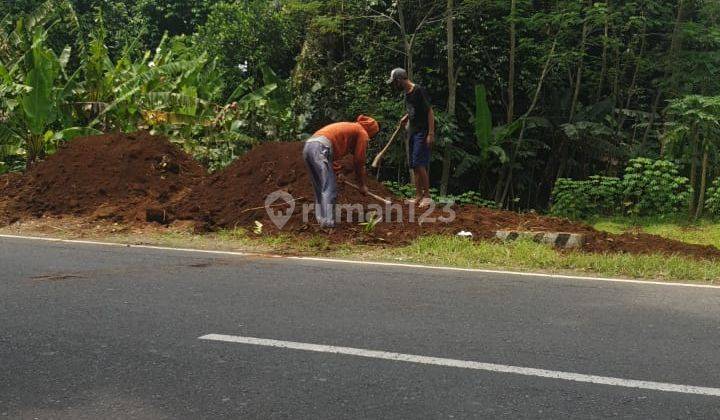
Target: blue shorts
point(419, 150)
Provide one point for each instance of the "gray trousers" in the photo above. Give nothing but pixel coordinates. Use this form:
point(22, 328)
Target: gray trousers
point(318, 157)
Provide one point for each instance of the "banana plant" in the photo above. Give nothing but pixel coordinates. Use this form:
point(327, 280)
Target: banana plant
point(34, 84)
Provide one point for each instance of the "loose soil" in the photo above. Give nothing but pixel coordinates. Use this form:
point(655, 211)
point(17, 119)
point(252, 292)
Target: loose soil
point(124, 178)
point(139, 178)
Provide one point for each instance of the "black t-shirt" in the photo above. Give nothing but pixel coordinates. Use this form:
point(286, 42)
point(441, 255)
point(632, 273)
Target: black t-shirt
point(418, 105)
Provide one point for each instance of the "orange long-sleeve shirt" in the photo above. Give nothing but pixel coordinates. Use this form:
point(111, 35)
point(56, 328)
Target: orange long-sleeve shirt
point(347, 138)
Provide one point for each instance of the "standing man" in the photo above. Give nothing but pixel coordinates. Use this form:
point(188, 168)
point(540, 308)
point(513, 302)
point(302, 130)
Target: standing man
point(421, 129)
point(332, 143)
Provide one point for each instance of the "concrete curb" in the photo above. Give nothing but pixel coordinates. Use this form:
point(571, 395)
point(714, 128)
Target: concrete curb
point(556, 239)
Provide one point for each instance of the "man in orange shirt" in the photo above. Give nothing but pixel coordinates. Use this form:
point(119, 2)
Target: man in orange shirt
point(331, 143)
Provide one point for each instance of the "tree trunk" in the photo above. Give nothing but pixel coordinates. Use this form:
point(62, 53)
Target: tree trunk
point(693, 175)
point(409, 69)
point(452, 94)
point(670, 70)
point(511, 72)
point(501, 196)
point(675, 46)
point(703, 184)
point(616, 76)
point(603, 71)
point(578, 75)
point(633, 83)
point(505, 174)
point(651, 119)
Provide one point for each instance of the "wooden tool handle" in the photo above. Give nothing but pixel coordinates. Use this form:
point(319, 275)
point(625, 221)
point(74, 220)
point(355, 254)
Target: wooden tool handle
point(380, 155)
point(375, 196)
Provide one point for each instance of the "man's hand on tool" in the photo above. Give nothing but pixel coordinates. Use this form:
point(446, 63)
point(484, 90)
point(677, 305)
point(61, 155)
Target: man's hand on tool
point(364, 189)
point(404, 120)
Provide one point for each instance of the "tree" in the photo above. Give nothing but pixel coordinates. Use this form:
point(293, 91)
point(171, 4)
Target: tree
point(695, 125)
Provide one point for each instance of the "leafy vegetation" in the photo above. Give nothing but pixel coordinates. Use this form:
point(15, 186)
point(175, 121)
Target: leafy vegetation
point(713, 201)
point(531, 97)
point(703, 232)
point(581, 199)
point(648, 188)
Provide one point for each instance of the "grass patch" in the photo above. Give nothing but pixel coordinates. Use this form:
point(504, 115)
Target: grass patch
point(458, 252)
point(703, 232)
point(527, 255)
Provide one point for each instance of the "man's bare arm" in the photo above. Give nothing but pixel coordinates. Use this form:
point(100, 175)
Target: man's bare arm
point(431, 127)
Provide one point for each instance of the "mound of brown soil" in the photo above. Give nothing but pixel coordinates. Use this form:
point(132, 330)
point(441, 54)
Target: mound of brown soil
point(133, 177)
point(236, 196)
point(9, 183)
point(140, 178)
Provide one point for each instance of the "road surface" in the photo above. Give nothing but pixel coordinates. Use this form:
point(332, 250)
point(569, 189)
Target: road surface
point(92, 331)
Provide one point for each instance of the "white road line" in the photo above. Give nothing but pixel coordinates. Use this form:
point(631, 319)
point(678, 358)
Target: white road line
point(464, 364)
point(369, 263)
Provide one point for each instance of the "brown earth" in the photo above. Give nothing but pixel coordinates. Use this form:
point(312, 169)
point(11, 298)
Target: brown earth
point(236, 196)
point(138, 178)
point(128, 178)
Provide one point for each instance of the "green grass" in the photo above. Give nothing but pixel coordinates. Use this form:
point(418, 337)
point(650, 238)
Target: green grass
point(460, 252)
point(530, 256)
point(704, 232)
point(238, 240)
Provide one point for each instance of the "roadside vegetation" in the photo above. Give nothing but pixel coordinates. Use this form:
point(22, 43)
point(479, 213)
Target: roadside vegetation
point(702, 232)
point(442, 251)
point(536, 102)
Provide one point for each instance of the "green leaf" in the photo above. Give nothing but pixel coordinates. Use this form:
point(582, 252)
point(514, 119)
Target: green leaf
point(74, 132)
point(39, 104)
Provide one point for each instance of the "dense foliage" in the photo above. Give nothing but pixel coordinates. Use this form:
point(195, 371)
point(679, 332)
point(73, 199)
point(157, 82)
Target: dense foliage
point(597, 196)
point(647, 188)
point(528, 94)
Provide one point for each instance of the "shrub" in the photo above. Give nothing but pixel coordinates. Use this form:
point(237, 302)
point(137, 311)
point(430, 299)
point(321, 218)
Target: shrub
point(599, 195)
point(606, 194)
point(571, 199)
point(712, 204)
point(649, 188)
point(654, 188)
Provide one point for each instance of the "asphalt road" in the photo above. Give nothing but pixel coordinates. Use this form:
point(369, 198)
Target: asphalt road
point(92, 331)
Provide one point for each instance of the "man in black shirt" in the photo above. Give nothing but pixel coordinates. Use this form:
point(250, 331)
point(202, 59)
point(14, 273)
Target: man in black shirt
point(420, 124)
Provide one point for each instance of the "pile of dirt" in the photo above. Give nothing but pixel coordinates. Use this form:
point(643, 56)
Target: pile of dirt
point(9, 184)
point(139, 178)
point(120, 177)
point(235, 197)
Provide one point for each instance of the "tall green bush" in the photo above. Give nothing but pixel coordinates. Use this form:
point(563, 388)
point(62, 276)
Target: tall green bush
point(654, 188)
point(649, 188)
point(712, 204)
point(599, 195)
